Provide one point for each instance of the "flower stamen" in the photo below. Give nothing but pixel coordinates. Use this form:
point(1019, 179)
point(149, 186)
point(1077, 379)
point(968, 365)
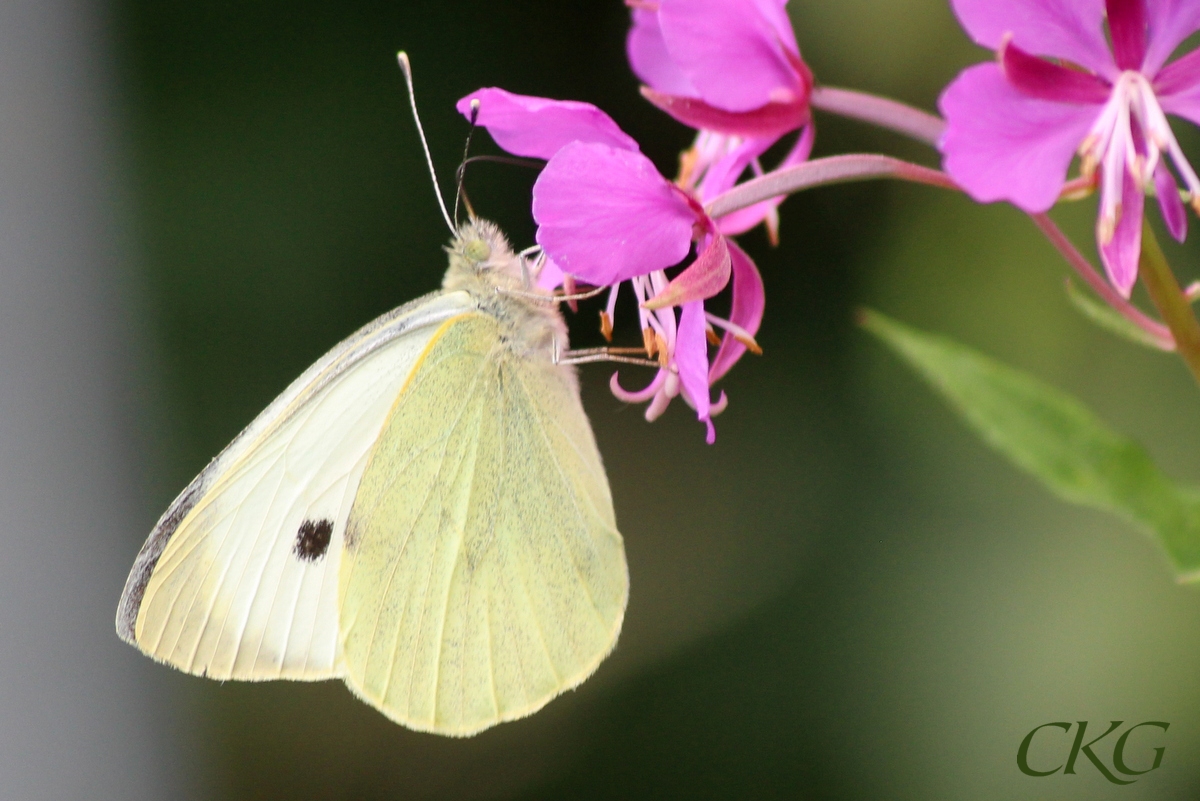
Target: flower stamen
point(739, 333)
point(1111, 146)
point(650, 341)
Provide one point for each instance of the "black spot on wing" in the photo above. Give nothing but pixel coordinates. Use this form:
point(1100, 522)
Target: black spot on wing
point(312, 540)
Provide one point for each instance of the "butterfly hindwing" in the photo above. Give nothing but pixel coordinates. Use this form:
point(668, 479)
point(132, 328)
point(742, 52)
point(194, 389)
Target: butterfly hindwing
point(240, 577)
point(483, 573)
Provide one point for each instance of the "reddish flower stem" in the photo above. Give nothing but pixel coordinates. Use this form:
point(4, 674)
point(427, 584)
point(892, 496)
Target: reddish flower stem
point(1080, 264)
point(891, 114)
point(821, 172)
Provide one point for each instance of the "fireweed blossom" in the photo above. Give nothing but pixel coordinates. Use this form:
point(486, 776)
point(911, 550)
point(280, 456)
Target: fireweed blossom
point(732, 70)
point(1057, 89)
point(606, 215)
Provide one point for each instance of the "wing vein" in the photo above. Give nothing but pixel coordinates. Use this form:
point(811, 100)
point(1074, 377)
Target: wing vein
point(241, 576)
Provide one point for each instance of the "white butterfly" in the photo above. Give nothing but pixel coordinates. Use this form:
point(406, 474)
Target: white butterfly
point(423, 514)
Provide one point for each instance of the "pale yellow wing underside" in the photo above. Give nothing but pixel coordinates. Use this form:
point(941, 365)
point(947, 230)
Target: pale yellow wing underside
point(483, 573)
point(221, 587)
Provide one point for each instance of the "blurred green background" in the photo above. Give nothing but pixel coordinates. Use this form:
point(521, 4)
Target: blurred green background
point(847, 597)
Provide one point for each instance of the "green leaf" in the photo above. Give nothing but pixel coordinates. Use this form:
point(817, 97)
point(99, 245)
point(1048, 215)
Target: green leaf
point(1054, 438)
point(1103, 315)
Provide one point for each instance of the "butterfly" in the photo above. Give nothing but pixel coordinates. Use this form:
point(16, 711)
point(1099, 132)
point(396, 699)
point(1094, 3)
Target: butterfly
point(423, 514)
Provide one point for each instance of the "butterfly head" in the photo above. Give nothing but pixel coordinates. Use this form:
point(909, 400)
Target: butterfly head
point(483, 264)
point(480, 254)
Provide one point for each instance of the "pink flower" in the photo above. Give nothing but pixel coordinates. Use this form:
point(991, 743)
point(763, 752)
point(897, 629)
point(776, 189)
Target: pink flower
point(732, 70)
point(605, 216)
point(1014, 126)
point(729, 66)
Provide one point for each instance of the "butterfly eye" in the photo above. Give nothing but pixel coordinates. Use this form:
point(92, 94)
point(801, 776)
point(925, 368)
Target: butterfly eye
point(477, 250)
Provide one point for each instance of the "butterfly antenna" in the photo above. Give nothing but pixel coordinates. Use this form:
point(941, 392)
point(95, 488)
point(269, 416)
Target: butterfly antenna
point(406, 68)
point(462, 170)
point(460, 193)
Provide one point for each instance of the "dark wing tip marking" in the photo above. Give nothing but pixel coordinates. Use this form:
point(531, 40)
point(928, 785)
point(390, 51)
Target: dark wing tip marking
point(147, 558)
point(350, 351)
point(312, 540)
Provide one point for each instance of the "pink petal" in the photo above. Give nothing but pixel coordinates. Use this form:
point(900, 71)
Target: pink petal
point(1120, 256)
point(691, 357)
point(771, 120)
point(1180, 78)
point(605, 215)
point(538, 127)
point(802, 149)
point(732, 51)
point(702, 279)
point(1001, 145)
point(1070, 29)
point(1169, 203)
point(1184, 104)
point(551, 277)
point(749, 299)
point(648, 56)
point(640, 396)
point(725, 171)
point(1170, 21)
point(743, 220)
point(1181, 75)
point(775, 13)
point(1127, 28)
point(1038, 78)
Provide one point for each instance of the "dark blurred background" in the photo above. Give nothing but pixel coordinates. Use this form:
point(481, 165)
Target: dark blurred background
point(846, 597)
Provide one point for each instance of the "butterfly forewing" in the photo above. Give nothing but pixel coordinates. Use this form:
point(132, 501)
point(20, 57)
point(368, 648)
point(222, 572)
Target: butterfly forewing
point(240, 578)
point(483, 572)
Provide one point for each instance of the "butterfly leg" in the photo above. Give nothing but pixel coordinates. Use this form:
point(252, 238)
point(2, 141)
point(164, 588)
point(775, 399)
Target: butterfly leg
point(589, 355)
